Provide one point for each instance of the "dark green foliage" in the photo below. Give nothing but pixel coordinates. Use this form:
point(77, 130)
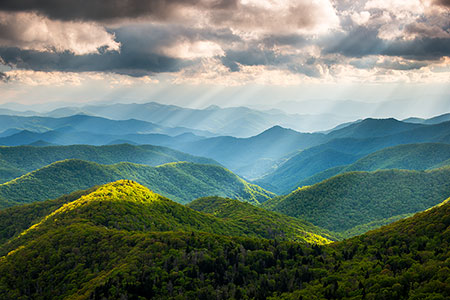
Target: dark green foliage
point(344, 151)
point(409, 259)
point(267, 224)
point(356, 198)
point(373, 128)
point(14, 220)
point(182, 181)
point(16, 161)
point(83, 251)
point(408, 157)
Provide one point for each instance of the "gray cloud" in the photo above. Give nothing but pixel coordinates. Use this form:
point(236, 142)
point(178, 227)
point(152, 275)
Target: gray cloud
point(363, 41)
point(102, 10)
point(442, 2)
point(4, 77)
point(140, 53)
point(243, 34)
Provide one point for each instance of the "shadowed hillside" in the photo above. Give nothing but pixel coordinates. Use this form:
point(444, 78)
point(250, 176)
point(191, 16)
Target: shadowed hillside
point(182, 182)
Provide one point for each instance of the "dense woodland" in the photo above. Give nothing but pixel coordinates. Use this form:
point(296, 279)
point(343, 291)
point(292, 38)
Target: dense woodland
point(357, 198)
point(193, 229)
point(88, 248)
point(180, 181)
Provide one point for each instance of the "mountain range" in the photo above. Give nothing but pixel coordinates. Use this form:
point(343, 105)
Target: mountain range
point(344, 151)
point(123, 241)
point(234, 121)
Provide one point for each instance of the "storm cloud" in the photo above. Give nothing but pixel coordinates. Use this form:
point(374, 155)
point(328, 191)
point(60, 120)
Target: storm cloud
point(140, 37)
point(103, 10)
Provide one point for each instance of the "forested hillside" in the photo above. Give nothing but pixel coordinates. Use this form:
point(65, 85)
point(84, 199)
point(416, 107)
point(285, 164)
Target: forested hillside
point(182, 182)
point(108, 244)
point(357, 198)
point(408, 157)
point(16, 161)
point(344, 151)
point(269, 224)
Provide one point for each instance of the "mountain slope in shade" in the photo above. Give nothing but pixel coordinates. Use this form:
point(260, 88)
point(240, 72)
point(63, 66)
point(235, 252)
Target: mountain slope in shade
point(241, 155)
point(408, 157)
point(92, 124)
point(347, 150)
point(356, 198)
point(17, 161)
point(85, 246)
point(67, 136)
point(182, 182)
point(434, 120)
point(373, 128)
point(233, 121)
point(268, 224)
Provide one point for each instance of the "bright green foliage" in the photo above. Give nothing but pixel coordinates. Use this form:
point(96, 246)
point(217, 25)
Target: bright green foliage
point(91, 248)
point(14, 220)
point(265, 223)
point(17, 161)
point(356, 198)
point(182, 181)
point(127, 205)
point(408, 157)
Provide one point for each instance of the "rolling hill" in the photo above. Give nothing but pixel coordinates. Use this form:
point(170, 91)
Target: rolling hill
point(107, 245)
point(267, 223)
point(66, 136)
point(408, 157)
point(182, 182)
point(91, 124)
point(16, 161)
point(357, 198)
point(430, 121)
point(372, 128)
point(144, 210)
point(345, 151)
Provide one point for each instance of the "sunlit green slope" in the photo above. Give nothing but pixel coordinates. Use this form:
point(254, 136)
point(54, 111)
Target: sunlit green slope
point(100, 247)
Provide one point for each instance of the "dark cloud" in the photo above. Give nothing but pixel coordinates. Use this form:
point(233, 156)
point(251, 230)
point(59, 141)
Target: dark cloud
point(269, 58)
point(140, 53)
point(252, 57)
point(364, 41)
point(284, 40)
point(442, 2)
point(126, 62)
point(4, 77)
point(101, 10)
point(138, 56)
point(391, 64)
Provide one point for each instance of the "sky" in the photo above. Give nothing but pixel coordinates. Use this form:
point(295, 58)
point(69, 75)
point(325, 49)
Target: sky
point(194, 53)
